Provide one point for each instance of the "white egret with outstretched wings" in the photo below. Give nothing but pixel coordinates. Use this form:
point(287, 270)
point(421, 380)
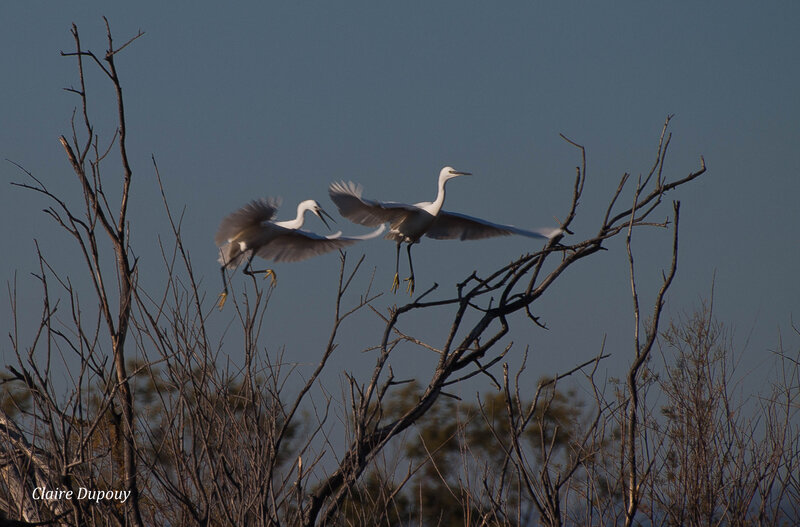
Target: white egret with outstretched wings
point(250, 232)
point(408, 223)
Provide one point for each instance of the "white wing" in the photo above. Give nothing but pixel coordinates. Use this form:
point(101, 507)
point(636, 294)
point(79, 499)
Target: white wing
point(296, 245)
point(374, 234)
point(254, 213)
point(347, 197)
point(451, 225)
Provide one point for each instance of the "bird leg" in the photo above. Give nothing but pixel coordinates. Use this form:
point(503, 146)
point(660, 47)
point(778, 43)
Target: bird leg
point(267, 272)
point(410, 279)
point(410, 286)
point(396, 281)
point(273, 277)
point(224, 294)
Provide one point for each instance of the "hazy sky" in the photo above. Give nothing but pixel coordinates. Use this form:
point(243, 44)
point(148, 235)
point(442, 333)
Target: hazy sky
point(279, 99)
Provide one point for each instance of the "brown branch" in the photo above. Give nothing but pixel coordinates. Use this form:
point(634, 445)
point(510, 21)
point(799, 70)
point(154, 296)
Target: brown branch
point(642, 353)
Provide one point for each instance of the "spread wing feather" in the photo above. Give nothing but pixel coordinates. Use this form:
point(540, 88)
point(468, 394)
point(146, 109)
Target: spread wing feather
point(254, 213)
point(351, 205)
point(297, 245)
point(300, 245)
point(452, 225)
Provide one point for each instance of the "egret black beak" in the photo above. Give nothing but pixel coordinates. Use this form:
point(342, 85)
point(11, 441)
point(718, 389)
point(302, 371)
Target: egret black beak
point(320, 213)
point(457, 173)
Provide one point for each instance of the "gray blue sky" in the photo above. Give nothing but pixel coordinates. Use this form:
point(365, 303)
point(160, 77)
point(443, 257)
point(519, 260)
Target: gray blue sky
point(281, 98)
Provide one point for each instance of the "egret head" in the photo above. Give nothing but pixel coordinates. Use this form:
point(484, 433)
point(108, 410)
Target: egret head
point(448, 173)
point(315, 207)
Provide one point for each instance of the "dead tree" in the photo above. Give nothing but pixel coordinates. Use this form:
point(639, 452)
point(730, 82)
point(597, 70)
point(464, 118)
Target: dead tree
point(214, 446)
point(99, 222)
point(512, 288)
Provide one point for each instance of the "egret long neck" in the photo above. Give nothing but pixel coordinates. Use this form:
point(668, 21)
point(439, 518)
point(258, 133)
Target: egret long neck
point(437, 205)
point(298, 221)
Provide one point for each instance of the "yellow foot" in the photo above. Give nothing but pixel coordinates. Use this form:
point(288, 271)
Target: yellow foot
point(271, 274)
point(410, 286)
point(222, 298)
point(395, 283)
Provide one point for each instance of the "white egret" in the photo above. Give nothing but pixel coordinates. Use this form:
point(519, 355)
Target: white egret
point(250, 231)
point(408, 223)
